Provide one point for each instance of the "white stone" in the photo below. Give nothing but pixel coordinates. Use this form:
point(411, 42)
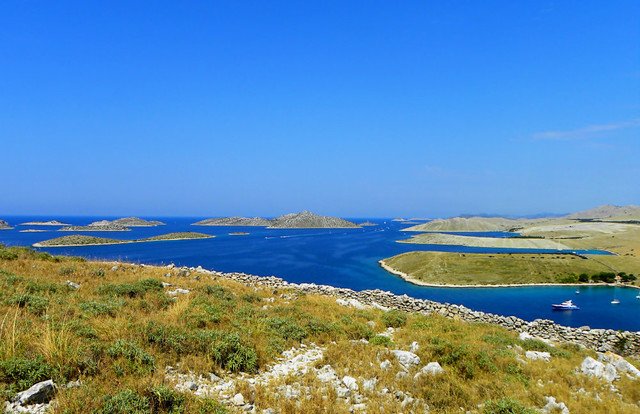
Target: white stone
point(552, 406)
point(370, 384)
point(538, 356)
point(326, 374)
point(386, 364)
point(620, 364)
point(405, 358)
point(351, 303)
point(39, 393)
point(432, 368)
point(597, 369)
point(350, 383)
point(414, 347)
point(178, 291)
point(238, 399)
point(72, 285)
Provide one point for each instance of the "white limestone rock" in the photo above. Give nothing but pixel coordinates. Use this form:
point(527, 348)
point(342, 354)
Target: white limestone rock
point(406, 359)
point(538, 356)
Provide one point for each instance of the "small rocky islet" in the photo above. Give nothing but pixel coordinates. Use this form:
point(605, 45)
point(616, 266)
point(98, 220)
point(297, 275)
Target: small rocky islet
point(4, 225)
point(121, 224)
point(45, 223)
point(302, 220)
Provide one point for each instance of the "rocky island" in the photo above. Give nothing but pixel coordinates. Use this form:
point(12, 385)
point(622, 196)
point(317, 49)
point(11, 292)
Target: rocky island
point(80, 240)
point(309, 220)
point(44, 223)
point(302, 220)
point(235, 221)
point(121, 224)
point(4, 225)
point(367, 224)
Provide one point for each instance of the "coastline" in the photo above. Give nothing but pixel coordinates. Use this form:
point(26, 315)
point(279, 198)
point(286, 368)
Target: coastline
point(119, 242)
point(418, 282)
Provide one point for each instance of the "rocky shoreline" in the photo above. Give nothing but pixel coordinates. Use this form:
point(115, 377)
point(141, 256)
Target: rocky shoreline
point(601, 340)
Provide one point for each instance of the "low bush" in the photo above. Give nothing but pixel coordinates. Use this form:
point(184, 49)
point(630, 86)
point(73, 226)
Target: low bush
point(124, 402)
point(228, 351)
point(506, 406)
point(163, 399)
point(35, 304)
point(95, 308)
point(394, 319)
point(381, 340)
point(131, 290)
point(19, 373)
point(287, 328)
point(136, 360)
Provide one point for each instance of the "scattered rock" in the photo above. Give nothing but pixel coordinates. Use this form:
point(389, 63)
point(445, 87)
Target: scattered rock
point(553, 407)
point(414, 347)
point(350, 383)
point(370, 384)
point(597, 369)
point(432, 368)
point(178, 291)
point(619, 363)
point(386, 364)
point(538, 356)
point(72, 285)
point(238, 399)
point(351, 303)
point(405, 358)
point(40, 393)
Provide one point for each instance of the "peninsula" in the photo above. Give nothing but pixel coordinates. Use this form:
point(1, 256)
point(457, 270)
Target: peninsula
point(302, 220)
point(44, 223)
point(79, 240)
point(606, 228)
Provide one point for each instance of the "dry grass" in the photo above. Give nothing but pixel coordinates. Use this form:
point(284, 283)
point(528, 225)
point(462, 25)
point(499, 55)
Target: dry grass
point(119, 331)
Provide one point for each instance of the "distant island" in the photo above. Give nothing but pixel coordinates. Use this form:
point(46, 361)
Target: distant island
point(4, 225)
point(121, 224)
point(80, 240)
point(235, 221)
point(302, 220)
point(44, 223)
point(367, 224)
point(238, 233)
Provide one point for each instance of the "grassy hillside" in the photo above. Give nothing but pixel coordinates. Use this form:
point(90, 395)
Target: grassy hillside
point(492, 269)
point(120, 330)
point(495, 242)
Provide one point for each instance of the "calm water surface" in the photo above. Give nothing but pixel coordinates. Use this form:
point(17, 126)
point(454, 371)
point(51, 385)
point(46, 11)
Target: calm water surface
point(344, 258)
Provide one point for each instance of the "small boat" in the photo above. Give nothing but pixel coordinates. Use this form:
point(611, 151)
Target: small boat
point(615, 302)
point(577, 292)
point(638, 297)
point(566, 305)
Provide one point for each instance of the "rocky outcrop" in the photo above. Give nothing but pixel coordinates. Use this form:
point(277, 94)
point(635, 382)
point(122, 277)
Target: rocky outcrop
point(4, 225)
point(35, 400)
point(235, 221)
point(307, 220)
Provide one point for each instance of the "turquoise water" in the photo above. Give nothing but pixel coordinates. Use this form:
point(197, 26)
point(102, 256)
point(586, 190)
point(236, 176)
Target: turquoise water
point(344, 258)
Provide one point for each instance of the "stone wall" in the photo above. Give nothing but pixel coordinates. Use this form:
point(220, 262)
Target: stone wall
point(619, 342)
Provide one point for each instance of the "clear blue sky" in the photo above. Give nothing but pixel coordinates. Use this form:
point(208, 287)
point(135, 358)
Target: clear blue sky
point(353, 108)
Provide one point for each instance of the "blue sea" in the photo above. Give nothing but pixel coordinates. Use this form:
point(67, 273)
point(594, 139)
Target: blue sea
point(343, 258)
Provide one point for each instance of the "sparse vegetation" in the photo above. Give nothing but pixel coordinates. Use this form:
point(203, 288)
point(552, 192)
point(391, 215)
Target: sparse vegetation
point(120, 330)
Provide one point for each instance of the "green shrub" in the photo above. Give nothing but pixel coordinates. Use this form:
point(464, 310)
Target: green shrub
point(167, 338)
point(67, 271)
point(230, 353)
point(7, 254)
point(381, 340)
point(163, 399)
point(287, 328)
point(220, 293)
point(394, 318)
point(43, 287)
point(209, 406)
point(355, 329)
point(95, 308)
point(583, 278)
point(21, 373)
point(251, 298)
point(98, 272)
point(33, 303)
point(132, 290)
point(124, 402)
point(136, 359)
point(506, 406)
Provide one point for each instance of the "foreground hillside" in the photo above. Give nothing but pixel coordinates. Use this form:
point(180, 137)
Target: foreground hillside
point(123, 338)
